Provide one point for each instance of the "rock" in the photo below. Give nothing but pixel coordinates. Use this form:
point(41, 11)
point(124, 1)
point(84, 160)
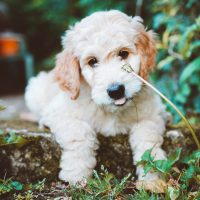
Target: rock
point(36, 158)
point(38, 155)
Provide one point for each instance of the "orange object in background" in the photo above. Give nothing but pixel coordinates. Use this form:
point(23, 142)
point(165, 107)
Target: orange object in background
point(9, 45)
point(16, 63)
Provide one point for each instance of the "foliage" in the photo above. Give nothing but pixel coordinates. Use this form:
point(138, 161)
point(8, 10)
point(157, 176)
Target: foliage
point(11, 138)
point(163, 166)
point(7, 186)
point(178, 57)
point(181, 173)
point(102, 186)
point(180, 182)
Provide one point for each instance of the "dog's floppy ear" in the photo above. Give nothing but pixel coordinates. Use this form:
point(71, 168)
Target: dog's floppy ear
point(146, 47)
point(67, 73)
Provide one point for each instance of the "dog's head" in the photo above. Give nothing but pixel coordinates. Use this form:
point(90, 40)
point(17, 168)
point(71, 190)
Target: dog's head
point(95, 50)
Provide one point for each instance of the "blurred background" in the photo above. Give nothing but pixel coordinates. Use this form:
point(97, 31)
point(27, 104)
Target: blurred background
point(30, 32)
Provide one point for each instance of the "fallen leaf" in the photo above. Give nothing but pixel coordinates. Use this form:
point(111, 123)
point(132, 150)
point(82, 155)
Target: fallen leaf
point(157, 186)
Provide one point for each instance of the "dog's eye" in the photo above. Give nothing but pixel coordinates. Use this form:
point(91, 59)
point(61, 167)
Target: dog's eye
point(92, 62)
point(123, 54)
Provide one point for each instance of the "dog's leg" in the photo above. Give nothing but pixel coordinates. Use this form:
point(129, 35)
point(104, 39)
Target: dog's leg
point(145, 135)
point(79, 143)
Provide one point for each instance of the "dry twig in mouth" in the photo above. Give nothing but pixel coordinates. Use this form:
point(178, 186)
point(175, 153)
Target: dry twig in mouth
point(127, 67)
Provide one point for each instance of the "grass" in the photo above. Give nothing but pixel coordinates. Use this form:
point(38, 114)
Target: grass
point(182, 173)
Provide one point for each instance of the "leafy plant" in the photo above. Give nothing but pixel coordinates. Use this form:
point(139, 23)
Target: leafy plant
point(9, 185)
point(178, 59)
point(163, 166)
point(11, 138)
point(182, 174)
point(38, 186)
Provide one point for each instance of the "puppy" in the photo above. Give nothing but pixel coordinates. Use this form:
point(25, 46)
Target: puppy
point(88, 93)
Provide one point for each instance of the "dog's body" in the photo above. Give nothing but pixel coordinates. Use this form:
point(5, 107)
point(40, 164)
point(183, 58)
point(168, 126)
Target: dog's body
point(102, 98)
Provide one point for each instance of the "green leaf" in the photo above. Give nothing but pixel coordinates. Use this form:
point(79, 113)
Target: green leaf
point(181, 98)
point(188, 173)
point(189, 33)
point(5, 188)
point(159, 19)
point(163, 166)
point(39, 185)
point(190, 69)
point(193, 46)
point(196, 154)
point(185, 89)
point(12, 137)
point(190, 3)
point(195, 80)
point(175, 157)
point(173, 193)
point(165, 62)
point(192, 158)
point(147, 168)
point(147, 155)
point(20, 141)
point(16, 185)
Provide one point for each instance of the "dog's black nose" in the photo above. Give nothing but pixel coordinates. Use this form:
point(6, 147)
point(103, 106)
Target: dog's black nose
point(116, 91)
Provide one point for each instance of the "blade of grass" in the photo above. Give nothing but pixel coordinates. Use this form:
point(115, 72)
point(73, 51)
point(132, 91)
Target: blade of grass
point(127, 67)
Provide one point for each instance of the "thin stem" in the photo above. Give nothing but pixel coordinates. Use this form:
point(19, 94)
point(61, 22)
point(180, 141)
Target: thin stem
point(129, 69)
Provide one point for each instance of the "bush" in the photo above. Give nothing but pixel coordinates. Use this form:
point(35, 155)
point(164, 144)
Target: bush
point(178, 25)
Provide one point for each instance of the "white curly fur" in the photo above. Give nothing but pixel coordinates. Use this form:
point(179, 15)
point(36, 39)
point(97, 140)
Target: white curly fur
point(75, 123)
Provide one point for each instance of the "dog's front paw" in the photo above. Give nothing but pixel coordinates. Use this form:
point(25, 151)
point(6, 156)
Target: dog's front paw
point(157, 185)
point(76, 179)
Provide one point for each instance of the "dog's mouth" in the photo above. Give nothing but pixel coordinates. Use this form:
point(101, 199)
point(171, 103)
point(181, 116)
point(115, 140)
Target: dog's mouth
point(122, 101)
